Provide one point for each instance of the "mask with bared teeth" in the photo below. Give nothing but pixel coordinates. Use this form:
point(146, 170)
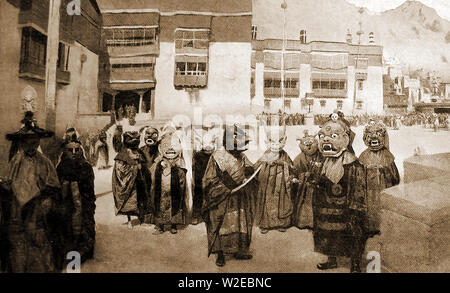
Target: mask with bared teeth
point(151, 136)
point(334, 137)
point(131, 140)
point(375, 136)
point(170, 147)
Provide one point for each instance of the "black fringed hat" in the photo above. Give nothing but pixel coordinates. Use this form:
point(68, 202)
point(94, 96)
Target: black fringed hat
point(29, 129)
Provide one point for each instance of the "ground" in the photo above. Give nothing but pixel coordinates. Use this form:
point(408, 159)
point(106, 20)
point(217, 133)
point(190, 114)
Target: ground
point(119, 249)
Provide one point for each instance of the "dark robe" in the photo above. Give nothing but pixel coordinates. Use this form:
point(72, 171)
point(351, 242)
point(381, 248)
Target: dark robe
point(381, 173)
point(150, 153)
point(200, 162)
point(305, 167)
point(274, 205)
point(339, 211)
point(117, 142)
point(33, 215)
point(130, 184)
point(228, 216)
point(77, 180)
point(168, 191)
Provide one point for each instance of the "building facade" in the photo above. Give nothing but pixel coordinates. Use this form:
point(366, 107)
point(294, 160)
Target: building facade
point(23, 46)
point(320, 76)
point(167, 58)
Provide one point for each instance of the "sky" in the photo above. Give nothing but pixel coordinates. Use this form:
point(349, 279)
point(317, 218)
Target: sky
point(442, 7)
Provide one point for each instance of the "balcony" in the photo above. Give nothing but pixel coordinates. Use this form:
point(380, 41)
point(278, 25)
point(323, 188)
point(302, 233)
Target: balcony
point(190, 80)
point(37, 71)
point(330, 93)
point(275, 92)
point(121, 50)
point(137, 75)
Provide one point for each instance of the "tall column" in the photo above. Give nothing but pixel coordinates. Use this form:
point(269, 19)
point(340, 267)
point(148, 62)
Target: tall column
point(141, 98)
point(51, 62)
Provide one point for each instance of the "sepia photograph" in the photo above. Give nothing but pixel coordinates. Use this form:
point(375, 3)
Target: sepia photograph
point(217, 137)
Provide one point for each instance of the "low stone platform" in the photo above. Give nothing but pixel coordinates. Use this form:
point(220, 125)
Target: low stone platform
point(415, 228)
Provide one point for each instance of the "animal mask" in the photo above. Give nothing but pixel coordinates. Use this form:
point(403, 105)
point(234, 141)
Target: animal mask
point(276, 139)
point(170, 146)
point(334, 137)
point(308, 144)
point(375, 136)
point(131, 139)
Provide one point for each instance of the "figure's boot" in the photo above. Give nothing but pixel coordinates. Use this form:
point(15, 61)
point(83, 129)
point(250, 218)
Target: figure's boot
point(355, 265)
point(331, 263)
point(360, 245)
point(220, 261)
point(130, 225)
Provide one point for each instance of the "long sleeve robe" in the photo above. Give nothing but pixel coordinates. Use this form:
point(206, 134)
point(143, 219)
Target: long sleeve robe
point(274, 205)
point(228, 216)
point(168, 191)
point(130, 184)
point(77, 181)
point(306, 167)
point(381, 173)
point(339, 210)
point(34, 219)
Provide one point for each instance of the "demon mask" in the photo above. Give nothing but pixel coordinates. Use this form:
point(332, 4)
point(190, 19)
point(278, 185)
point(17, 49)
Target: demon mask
point(375, 136)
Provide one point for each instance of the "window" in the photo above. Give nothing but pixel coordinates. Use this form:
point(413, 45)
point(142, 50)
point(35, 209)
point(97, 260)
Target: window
point(254, 32)
point(191, 68)
point(34, 50)
point(360, 85)
point(130, 37)
point(303, 36)
point(289, 83)
point(323, 103)
point(329, 84)
point(132, 67)
point(359, 105)
point(34, 47)
point(339, 104)
point(362, 63)
point(197, 39)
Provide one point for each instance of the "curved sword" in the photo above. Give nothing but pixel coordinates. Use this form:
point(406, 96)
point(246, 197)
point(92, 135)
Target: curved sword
point(247, 181)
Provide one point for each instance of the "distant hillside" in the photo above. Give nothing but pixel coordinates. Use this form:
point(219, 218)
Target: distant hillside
point(413, 32)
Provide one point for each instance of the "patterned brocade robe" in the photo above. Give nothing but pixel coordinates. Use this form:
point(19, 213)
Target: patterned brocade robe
point(168, 191)
point(339, 209)
point(228, 216)
point(381, 173)
point(305, 166)
point(274, 204)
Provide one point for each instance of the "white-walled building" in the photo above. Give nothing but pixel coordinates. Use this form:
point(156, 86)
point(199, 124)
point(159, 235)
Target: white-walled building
point(320, 76)
point(167, 58)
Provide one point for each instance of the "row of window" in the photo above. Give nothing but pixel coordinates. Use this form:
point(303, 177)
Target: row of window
point(309, 104)
point(329, 84)
point(131, 37)
point(191, 68)
point(276, 83)
point(132, 67)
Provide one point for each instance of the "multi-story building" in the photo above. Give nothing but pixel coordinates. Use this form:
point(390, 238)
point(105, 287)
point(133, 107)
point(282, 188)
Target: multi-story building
point(167, 57)
point(23, 48)
point(320, 76)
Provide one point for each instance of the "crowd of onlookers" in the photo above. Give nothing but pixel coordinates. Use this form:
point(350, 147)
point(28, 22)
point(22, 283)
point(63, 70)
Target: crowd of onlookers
point(289, 119)
point(395, 121)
